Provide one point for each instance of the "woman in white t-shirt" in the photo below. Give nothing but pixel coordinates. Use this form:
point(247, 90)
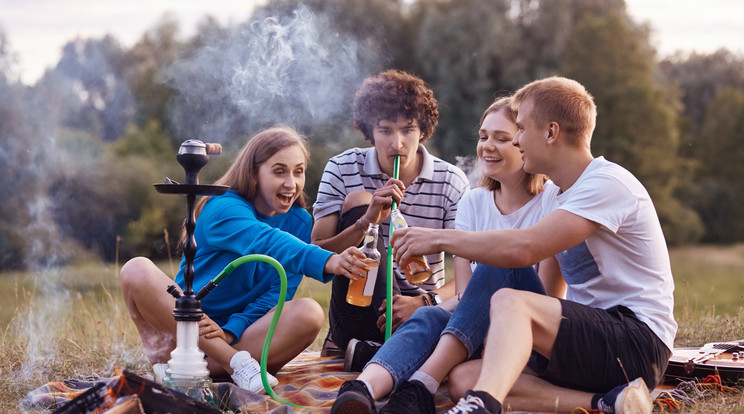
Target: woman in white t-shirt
point(506, 197)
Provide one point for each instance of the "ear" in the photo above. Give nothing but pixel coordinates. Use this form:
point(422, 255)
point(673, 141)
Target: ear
point(552, 132)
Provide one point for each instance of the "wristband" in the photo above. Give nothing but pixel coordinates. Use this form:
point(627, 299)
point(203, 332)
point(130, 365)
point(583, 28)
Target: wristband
point(425, 298)
point(361, 225)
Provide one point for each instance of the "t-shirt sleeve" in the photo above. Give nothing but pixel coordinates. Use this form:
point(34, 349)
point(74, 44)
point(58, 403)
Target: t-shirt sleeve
point(459, 186)
point(603, 199)
point(331, 191)
point(463, 219)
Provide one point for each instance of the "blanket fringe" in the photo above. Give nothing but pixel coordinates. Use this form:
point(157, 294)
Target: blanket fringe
point(688, 392)
point(685, 395)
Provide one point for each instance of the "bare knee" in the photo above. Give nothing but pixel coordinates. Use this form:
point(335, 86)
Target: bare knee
point(307, 315)
point(356, 198)
point(138, 274)
point(505, 298)
point(133, 271)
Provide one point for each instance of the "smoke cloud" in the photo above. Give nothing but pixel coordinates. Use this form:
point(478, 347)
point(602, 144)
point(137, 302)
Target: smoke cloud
point(290, 70)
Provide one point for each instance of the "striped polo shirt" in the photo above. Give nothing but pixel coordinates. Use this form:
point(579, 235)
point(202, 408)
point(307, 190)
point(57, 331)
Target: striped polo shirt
point(430, 201)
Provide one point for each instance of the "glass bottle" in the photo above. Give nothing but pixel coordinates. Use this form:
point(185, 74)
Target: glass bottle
point(416, 268)
point(360, 290)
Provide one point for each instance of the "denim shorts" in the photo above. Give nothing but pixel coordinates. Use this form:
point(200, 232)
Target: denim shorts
point(596, 348)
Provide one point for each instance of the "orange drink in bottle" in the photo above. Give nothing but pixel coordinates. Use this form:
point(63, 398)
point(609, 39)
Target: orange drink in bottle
point(416, 268)
point(360, 290)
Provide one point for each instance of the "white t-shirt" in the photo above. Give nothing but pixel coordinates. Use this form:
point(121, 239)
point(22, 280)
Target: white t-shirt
point(478, 212)
point(626, 261)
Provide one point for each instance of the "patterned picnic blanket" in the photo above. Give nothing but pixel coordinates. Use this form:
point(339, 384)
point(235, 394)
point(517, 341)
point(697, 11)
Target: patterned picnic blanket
point(309, 381)
point(310, 384)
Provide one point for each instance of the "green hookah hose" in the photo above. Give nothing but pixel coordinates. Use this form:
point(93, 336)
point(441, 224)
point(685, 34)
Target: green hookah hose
point(274, 320)
point(389, 287)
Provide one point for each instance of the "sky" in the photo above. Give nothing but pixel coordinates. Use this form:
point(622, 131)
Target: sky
point(37, 29)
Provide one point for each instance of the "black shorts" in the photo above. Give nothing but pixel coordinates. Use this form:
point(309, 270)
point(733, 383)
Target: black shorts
point(596, 348)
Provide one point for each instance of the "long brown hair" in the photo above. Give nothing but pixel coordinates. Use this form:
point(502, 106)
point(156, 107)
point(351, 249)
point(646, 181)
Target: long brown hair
point(242, 175)
point(533, 182)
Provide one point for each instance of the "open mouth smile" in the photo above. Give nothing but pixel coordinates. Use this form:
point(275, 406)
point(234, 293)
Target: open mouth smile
point(286, 198)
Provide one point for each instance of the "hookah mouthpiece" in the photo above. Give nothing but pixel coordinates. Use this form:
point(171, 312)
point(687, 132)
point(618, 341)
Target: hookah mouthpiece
point(213, 148)
point(195, 146)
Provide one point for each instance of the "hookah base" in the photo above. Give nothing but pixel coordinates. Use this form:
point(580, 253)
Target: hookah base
point(198, 388)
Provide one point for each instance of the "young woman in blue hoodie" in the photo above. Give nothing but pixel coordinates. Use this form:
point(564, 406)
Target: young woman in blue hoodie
point(262, 212)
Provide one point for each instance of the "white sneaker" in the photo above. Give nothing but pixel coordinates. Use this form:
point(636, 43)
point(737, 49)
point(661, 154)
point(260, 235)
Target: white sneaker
point(630, 398)
point(159, 372)
point(247, 373)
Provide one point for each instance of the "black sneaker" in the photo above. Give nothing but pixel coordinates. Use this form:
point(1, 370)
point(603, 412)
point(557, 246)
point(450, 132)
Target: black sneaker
point(358, 353)
point(353, 398)
point(330, 349)
point(411, 397)
point(471, 403)
point(633, 398)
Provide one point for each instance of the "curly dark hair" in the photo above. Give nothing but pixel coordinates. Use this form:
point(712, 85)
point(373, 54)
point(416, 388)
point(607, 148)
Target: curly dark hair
point(393, 94)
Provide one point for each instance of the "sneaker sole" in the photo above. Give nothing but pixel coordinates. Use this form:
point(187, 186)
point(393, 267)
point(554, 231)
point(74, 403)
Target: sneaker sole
point(352, 407)
point(349, 355)
point(637, 399)
point(273, 382)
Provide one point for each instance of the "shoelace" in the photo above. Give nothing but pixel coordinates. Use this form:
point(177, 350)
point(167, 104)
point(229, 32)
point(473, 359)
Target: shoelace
point(251, 371)
point(468, 405)
point(603, 406)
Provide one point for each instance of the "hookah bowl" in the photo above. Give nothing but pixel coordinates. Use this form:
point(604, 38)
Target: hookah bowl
point(187, 370)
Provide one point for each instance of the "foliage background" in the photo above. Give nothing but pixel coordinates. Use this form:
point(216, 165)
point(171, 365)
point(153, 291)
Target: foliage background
point(80, 149)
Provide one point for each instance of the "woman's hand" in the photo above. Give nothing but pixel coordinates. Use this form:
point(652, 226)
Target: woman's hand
point(209, 329)
point(348, 263)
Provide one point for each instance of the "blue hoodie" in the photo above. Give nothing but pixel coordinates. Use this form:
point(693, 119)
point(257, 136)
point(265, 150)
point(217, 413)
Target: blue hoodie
point(229, 227)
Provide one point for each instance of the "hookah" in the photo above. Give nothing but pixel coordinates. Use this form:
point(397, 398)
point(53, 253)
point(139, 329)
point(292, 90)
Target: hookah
point(187, 370)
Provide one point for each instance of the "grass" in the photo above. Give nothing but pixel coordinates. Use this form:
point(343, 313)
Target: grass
point(71, 322)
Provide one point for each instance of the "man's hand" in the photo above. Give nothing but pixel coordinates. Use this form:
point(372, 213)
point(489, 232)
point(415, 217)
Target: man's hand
point(382, 201)
point(403, 308)
point(414, 241)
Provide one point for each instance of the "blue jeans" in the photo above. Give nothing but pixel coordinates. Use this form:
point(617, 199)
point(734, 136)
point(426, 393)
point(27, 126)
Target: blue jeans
point(406, 350)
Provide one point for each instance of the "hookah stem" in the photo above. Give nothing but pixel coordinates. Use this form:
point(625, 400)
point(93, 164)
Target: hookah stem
point(274, 320)
point(389, 286)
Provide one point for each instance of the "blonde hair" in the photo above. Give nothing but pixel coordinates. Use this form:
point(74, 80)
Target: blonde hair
point(533, 182)
point(564, 101)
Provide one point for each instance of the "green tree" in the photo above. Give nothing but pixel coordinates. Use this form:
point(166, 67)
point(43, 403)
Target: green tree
point(700, 77)
point(144, 67)
point(637, 117)
point(466, 64)
point(720, 189)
